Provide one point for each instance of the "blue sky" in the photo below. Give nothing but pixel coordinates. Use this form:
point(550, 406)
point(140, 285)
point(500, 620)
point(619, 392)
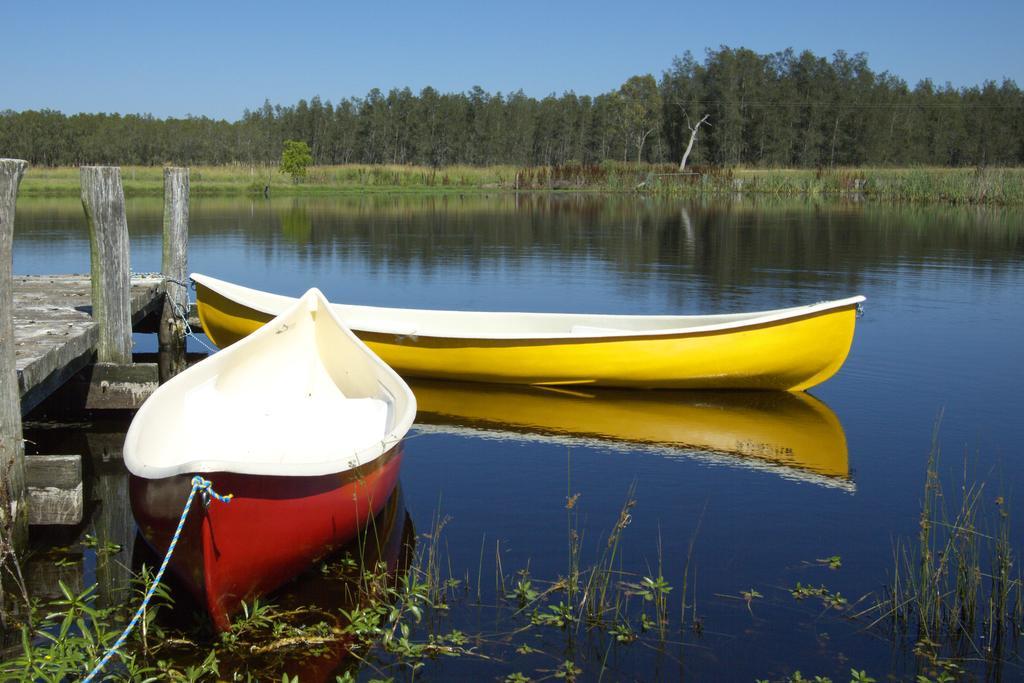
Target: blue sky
point(217, 58)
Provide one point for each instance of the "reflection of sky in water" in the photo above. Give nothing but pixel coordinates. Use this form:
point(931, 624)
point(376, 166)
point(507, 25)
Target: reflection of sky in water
point(943, 332)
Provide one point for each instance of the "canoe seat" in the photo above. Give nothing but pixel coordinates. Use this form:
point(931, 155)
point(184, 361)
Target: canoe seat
point(284, 427)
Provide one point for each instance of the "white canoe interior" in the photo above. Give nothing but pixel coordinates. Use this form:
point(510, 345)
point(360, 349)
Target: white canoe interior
point(301, 396)
point(418, 322)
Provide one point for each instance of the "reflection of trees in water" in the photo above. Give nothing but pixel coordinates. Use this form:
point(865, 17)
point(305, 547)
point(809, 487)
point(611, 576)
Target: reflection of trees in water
point(735, 242)
point(296, 225)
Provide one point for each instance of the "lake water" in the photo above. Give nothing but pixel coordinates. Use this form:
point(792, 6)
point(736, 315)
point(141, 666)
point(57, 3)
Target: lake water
point(943, 334)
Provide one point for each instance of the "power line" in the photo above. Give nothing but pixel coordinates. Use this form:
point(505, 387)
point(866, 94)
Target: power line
point(866, 105)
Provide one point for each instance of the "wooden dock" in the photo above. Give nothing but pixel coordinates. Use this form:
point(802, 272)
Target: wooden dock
point(55, 335)
point(66, 341)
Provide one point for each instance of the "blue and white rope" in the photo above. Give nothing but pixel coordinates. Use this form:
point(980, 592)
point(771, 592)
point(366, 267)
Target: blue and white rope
point(183, 313)
point(198, 484)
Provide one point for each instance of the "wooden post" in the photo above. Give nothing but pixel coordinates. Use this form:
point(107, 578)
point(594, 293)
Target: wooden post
point(174, 267)
point(13, 509)
point(103, 201)
point(175, 253)
point(113, 521)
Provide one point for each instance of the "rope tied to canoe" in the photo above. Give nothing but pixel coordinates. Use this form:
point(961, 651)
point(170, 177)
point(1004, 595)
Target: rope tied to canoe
point(198, 484)
point(184, 285)
point(182, 312)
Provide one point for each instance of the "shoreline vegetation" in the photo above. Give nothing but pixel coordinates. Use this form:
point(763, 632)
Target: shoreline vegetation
point(784, 109)
point(999, 186)
point(954, 600)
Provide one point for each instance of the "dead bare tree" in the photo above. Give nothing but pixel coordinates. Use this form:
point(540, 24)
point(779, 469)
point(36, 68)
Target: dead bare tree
point(641, 139)
point(693, 139)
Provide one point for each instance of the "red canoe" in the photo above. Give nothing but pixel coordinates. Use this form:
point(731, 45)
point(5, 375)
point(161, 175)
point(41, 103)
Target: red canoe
point(300, 422)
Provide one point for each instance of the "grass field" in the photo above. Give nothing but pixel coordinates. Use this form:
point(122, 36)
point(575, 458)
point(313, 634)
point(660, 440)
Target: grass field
point(999, 186)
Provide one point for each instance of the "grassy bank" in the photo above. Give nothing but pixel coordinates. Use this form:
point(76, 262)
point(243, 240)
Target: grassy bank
point(254, 180)
point(996, 186)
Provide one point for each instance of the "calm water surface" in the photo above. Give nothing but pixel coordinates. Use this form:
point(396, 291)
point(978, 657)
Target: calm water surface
point(773, 483)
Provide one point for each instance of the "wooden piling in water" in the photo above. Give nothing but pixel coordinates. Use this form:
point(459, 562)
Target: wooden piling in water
point(113, 382)
point(54, 489)
point(65, 359)
point(174, 267)
point(103, 201)
point(13, 508)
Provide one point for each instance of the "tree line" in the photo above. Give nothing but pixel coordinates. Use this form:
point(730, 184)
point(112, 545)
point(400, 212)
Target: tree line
point(779, 109)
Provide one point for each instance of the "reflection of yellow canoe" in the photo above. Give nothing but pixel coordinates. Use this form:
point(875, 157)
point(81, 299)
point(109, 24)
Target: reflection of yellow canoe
point(792, 348)
point(794, 430)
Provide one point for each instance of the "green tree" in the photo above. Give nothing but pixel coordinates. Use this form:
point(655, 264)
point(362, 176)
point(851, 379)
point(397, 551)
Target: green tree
point(295, 159)
point(780, 109)
point(641, 112)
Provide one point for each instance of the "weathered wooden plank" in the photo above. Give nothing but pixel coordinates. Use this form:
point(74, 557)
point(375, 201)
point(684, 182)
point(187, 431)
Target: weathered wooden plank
point(57, 471)
point(54, 489)
point(49, 505)
point(105, 447)
point(107, 386)
point(192, 358)
point(149, 305)
point(103, 201)
point(174, 266)
point(112, 523)
point(62, 363)
point(55, 335)
point(13, 495)
point(120, 387)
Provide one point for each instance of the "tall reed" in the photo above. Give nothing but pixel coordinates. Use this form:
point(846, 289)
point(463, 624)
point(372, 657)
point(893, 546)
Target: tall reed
point(955, 592)
point(981, 185)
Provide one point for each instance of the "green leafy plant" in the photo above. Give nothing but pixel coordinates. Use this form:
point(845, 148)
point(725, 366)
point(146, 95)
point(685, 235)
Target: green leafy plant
point(523, 592)
point(296, 159)
point(749, 597)
point(834, 562)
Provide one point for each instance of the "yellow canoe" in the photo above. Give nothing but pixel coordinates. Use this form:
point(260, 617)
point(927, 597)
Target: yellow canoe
point(793, 434)
point(789, 349)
